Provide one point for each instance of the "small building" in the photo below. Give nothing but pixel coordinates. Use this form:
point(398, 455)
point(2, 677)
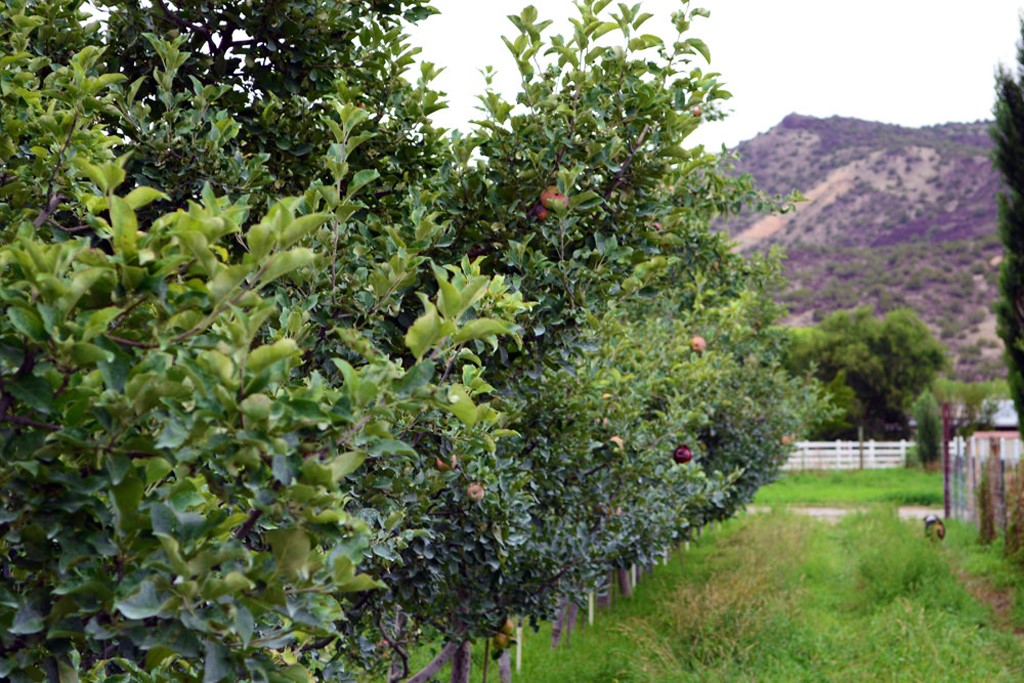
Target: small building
point(1004, 420)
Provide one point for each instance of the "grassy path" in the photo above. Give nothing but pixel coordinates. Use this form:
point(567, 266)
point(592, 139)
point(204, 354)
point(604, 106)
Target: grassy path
point(781, 597)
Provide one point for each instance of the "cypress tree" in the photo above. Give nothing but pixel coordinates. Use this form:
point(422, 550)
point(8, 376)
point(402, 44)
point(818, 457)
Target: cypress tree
point(1008, 136)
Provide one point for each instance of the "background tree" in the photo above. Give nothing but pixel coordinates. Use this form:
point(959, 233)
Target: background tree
point(887, 363)
point(928, 436)
point(972, 404)
point(1008, 156)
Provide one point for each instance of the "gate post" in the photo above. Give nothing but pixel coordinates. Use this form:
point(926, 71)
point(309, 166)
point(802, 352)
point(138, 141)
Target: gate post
point(946, 429)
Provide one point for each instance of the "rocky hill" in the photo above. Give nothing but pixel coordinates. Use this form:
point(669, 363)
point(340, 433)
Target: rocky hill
point(894, 217)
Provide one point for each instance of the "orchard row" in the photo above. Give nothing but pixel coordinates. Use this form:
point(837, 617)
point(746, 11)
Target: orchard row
point(293, 383)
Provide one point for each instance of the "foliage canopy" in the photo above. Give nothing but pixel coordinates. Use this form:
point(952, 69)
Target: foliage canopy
point(887, 363)
point(265, 330)
point(1008, 136)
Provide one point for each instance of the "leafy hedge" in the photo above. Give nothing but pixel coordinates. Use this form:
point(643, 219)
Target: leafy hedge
point(291, 380)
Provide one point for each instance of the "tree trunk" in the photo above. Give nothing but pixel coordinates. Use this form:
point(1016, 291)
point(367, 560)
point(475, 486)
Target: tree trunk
point(461, 663)
point(558, 625)
point(399, 665)
point(427, 672)
point(625, 587)
point(605, 600)
point(570, 621)
point(505, 667)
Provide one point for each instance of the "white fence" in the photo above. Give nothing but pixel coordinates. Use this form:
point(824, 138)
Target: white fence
point(846, 455)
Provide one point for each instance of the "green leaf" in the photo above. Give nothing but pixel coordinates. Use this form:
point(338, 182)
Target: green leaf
point(347, 463)
point(156, 469)
point(216, 664)
point(93, 173)
point(285, 262)
point(480, 328)
point(361, 582)
point(66, 673)
point(256, 406)
point(474, 289)
point(360, 180)
point(172, 549)
point(264, 356)
point(27, 322)
point(226, 282)
point(173, 435)
point(127, 496)
point(126, 227)
point(645, 42)
point(701, 47)
point(603, 29)
point(260, 241)
point(291, 549)
point(461, 405)
point(415, 377)
point(301, 227)
point(81, 282)
point(449, 301)
point(586, 200)
point(425, 332)
point(84, 353)
point(27, 620)
point(35, 392)
point(143, 196)
point(142, 604)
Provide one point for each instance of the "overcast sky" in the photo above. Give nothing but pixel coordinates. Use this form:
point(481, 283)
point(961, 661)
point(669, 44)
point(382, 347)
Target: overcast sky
point(910, 62)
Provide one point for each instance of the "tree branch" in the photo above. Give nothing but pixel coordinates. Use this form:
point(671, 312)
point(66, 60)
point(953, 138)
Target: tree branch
point(250, 522)
point(55, 198)
point(427, 672)
point(396, 646)
point(629, 162)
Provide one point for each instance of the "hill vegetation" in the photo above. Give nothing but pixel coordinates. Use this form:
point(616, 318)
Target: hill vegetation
point(894, 217)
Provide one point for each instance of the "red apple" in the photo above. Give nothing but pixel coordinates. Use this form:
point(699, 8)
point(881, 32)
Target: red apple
point(698, 344)
point(541, 213)
point(682, 454)
point(696, 111)
point(475, 492)
point(445, 466)
point(551, 197)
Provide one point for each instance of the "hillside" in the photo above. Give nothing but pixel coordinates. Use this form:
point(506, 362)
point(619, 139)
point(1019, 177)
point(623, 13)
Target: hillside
point(894, 217)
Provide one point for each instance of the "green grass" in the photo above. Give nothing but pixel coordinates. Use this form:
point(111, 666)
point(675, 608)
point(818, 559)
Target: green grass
point(781, 597)
point(987, 570)
point(857, 487)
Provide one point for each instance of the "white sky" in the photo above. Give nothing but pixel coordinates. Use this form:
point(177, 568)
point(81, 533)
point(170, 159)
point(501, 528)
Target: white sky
point(909, 62)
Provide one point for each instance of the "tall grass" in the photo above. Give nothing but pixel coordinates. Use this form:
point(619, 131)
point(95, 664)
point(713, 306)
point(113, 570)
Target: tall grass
point(781, 597)
point(855, 487)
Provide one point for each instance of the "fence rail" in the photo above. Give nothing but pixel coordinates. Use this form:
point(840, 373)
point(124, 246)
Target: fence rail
point(846, 455)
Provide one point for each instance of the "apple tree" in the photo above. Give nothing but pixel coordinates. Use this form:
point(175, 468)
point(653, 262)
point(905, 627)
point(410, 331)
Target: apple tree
point(292, 381)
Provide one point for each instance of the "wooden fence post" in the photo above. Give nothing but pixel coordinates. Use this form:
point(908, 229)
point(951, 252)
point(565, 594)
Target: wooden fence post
point(519, 646)
point(860, 440)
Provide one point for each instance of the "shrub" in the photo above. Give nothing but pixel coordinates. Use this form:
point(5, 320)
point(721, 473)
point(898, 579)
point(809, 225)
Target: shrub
point(928, 437)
